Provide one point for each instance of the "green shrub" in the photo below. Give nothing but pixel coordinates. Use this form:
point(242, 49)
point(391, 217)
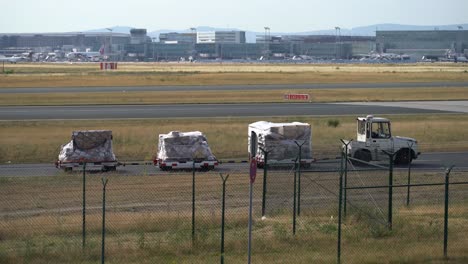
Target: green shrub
point(333, 122)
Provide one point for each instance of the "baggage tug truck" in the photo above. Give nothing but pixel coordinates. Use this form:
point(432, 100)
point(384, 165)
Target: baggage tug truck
point(374, 137)
point(281, 141)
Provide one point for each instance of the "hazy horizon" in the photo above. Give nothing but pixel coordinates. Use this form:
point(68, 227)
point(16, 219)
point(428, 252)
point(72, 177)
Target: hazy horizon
point(23, 16)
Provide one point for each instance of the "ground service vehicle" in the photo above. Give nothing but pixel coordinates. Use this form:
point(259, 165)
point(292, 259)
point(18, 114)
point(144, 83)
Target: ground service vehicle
point(281, 141)
point(374, 137)
point(184, 150)
point(93, 147)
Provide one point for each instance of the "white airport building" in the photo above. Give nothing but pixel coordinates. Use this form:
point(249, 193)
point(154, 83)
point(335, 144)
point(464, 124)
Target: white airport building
point(225, 37)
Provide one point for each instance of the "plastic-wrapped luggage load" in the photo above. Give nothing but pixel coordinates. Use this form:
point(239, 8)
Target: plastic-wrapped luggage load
point(184, 146)
point(88, 146)
point(281, 140)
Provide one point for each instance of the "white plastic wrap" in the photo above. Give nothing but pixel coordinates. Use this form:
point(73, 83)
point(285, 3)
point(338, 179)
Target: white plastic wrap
point(88, 146)
point(184, 146)
point(280, 139)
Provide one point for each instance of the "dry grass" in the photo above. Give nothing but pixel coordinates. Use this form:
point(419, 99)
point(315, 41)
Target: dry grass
point(156, 225)
point(233, 67)
point(39, 141)
point(147, 74)
point(256, 96)
point(413, 241)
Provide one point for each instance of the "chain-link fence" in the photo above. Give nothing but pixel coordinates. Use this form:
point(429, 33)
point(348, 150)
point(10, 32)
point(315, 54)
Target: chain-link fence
point(154, 216)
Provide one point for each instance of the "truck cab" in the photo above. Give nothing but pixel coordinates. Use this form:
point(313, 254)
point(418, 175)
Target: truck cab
point(374, 136)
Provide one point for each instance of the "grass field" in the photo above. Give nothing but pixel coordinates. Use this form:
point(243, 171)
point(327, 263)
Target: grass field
point(149, 217)
point(155, 74)
point(145, 74)
point(39, 141)
point(417, 239)
point(149, 220)
point(414, 241)
point(140, 67)
point(257, 96)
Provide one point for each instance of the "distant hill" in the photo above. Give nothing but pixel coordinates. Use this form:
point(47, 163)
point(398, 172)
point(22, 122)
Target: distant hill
point(251, 35)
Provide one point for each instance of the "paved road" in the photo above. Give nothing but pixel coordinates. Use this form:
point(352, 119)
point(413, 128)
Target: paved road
point(197, 111)
point(455, 106)
point(425, 162)
point(231, 87)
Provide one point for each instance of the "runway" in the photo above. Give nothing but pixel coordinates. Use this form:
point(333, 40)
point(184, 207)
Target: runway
point(99, 112)
point(180, 88)
point(453, 106)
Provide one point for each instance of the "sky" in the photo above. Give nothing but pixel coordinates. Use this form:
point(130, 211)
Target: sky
point(23, 16)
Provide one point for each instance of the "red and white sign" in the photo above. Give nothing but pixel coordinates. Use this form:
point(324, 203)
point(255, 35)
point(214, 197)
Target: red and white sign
point(108, 65)
point(305, 97)
point(253, 169)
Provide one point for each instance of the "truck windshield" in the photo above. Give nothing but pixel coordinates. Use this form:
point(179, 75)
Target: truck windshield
point(381, 130)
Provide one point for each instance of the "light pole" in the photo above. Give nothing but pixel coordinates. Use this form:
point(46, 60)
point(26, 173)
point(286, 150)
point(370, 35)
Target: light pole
point(110, 45)
point(337, 40)
point(221, 41)
point(194, 41)
point(154, 39)
point(267, 40)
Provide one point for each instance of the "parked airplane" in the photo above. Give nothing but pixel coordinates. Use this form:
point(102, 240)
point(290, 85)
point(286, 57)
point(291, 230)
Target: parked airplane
point(86, 55)
point(16, 58)
point(461, 59)
point(83, 54)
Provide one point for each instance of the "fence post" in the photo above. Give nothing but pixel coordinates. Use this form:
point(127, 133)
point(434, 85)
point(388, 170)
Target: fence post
point(391, 155)
point(223, 210)
point(447, 174)
point(265, 171)
point(299, 178)
point(83, 240)
point(295, 196)
point(193, 203)
point(409, 174)
point(340, 204)
point(345, 198)
point(104, 184)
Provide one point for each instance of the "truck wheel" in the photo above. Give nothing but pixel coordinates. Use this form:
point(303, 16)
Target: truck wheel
point(403, 157)
point(165, 168)
point(362, 155)
point(207, 168)
point(109, 168)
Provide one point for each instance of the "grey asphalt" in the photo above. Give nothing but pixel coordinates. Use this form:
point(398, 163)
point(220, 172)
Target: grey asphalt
point(425, 162)
point(230, 87)
point(198, 111)
point(455, 106)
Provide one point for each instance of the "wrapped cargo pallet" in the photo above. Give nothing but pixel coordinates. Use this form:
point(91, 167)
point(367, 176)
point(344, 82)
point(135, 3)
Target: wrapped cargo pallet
point(178, 148)
point(90, 146)
point(281, 141)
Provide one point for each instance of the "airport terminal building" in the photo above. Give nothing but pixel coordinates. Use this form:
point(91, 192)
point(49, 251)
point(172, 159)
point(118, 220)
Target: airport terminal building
point(231, 45)
point(434, 43)
point(53, 41)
